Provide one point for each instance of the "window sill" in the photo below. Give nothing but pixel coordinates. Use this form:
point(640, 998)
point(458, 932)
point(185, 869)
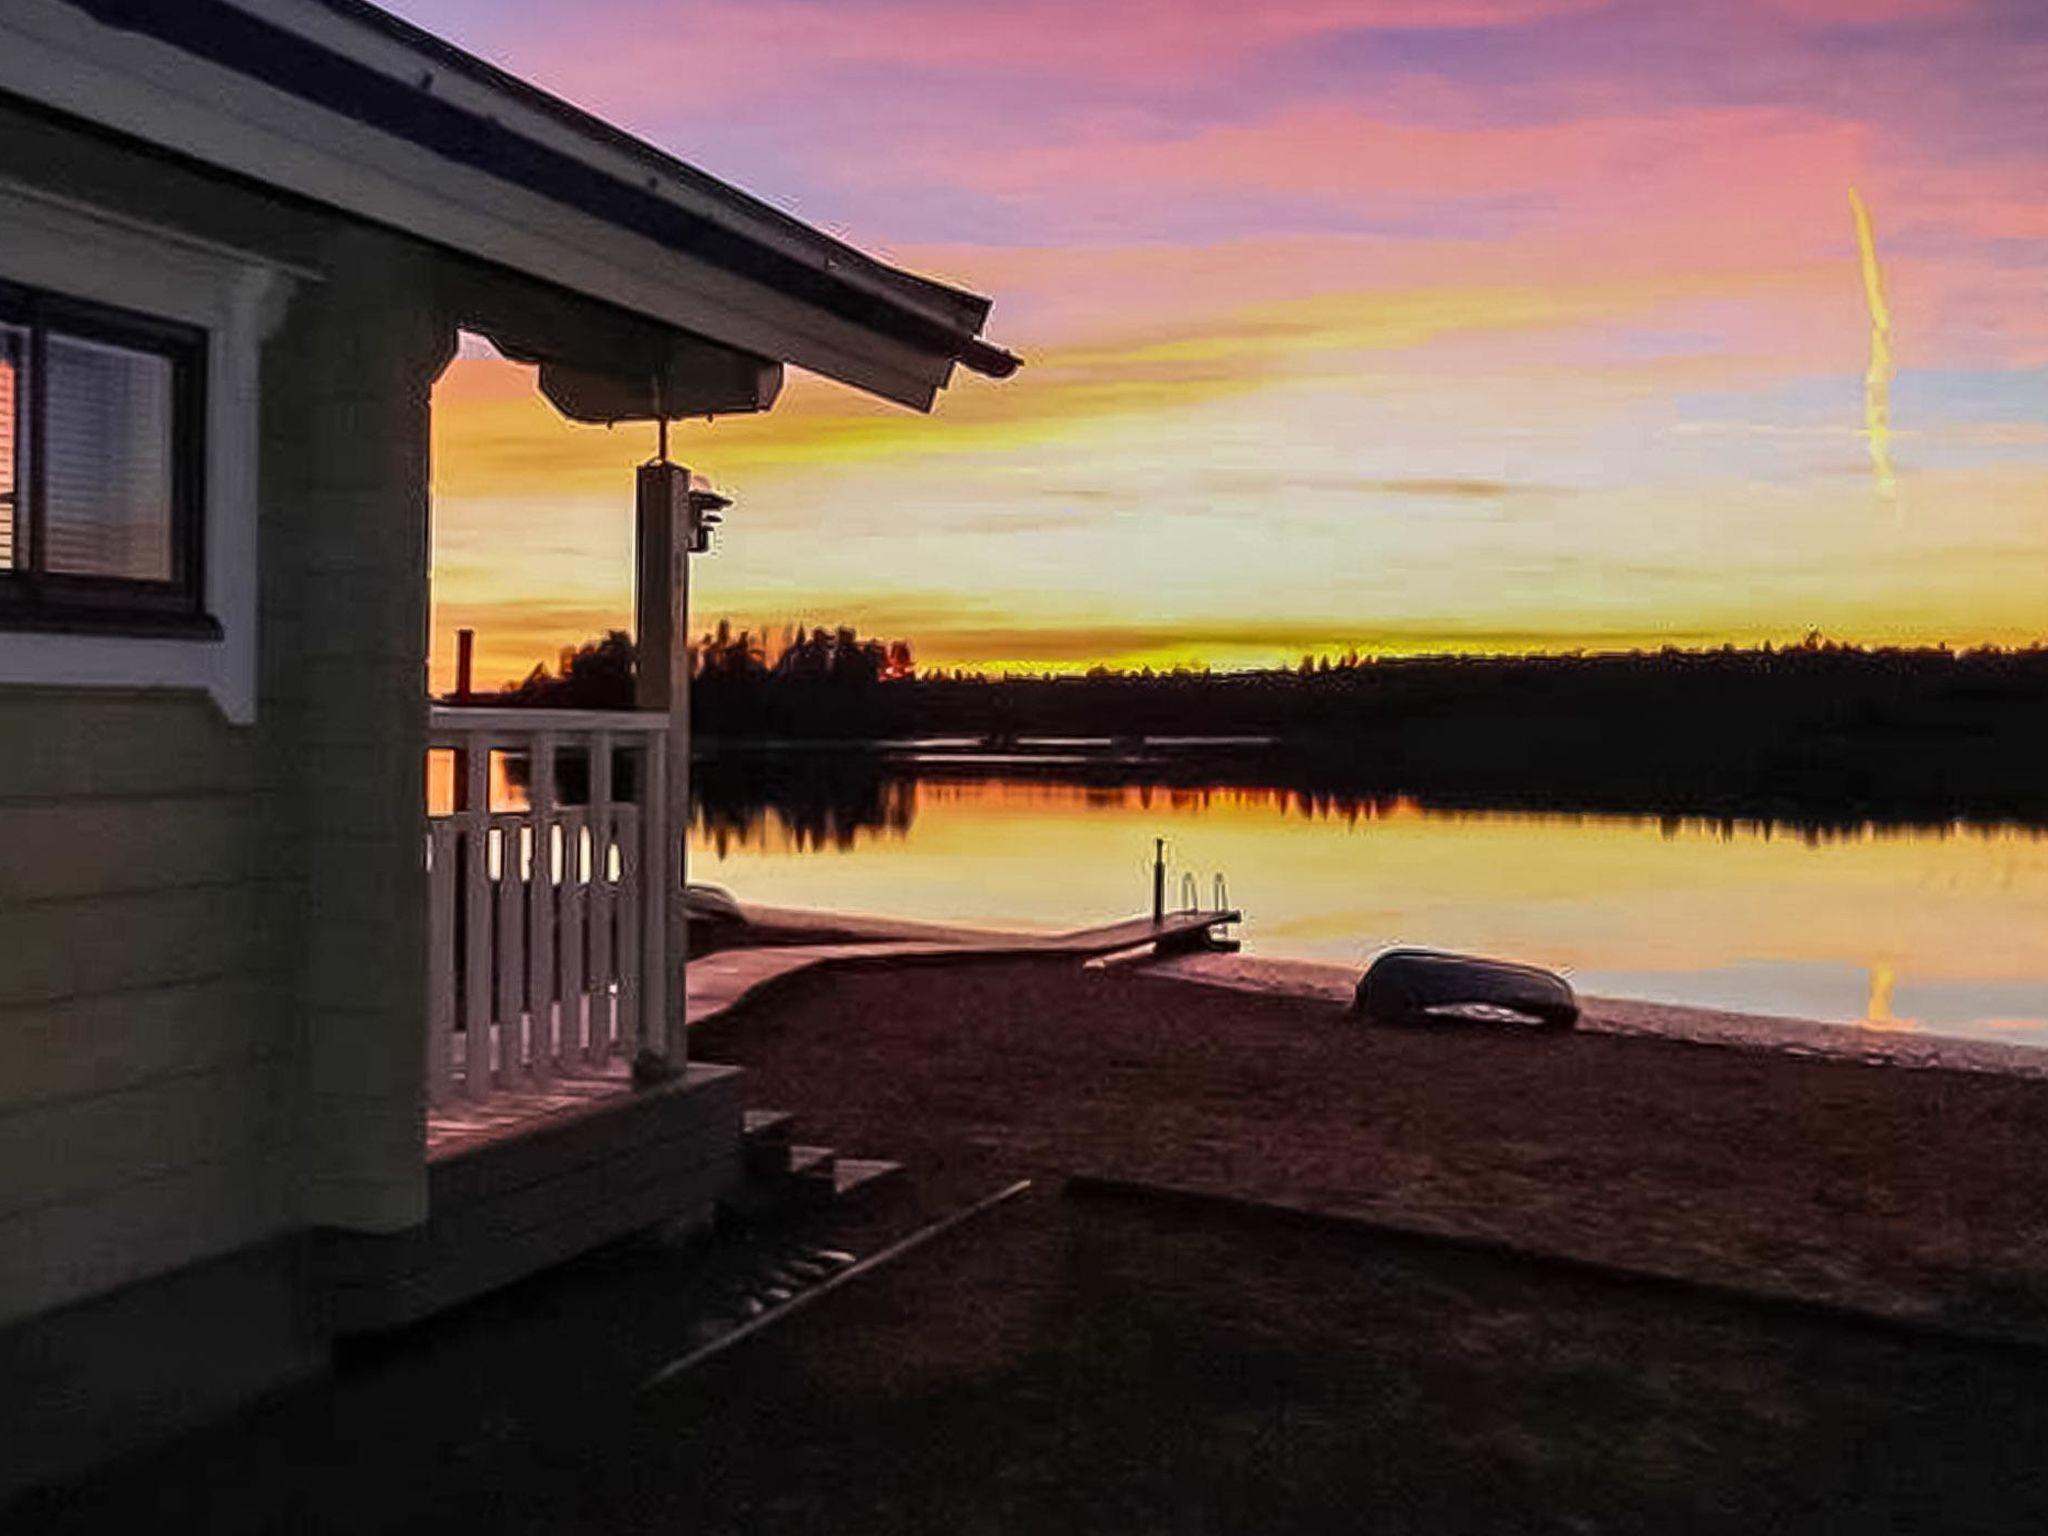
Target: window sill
point(137, 624)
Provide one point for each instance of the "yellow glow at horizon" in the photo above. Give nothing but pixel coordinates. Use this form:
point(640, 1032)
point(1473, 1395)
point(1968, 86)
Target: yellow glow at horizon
point(1264, 476)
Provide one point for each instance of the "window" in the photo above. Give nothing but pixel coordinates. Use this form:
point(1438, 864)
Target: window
point(100, 468)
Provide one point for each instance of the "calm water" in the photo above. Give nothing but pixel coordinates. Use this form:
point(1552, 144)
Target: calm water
point(1942, 930)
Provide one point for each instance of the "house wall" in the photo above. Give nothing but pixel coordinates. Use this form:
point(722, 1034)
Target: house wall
point(211, 963)
point(146, 1054)
point(209, 952)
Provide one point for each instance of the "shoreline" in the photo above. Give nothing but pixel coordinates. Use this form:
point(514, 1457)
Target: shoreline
point(1325, 981)
point(1688, 1024)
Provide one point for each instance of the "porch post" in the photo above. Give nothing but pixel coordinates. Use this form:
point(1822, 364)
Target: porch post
point(343, 555)
point(662, 682)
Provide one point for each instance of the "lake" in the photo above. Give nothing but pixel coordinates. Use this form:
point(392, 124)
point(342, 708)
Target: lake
point(1941, 929)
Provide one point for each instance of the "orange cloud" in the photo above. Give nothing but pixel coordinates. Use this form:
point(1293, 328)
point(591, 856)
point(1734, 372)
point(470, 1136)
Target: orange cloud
point(495, 437)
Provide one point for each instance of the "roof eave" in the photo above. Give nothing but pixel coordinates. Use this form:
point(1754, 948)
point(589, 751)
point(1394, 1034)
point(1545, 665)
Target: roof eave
point(716, 225)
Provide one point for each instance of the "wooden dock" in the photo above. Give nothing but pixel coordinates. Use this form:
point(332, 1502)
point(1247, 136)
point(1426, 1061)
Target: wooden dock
point(719, 982)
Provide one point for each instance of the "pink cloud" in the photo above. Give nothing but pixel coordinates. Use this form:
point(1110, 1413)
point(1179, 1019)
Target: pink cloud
point(1065, 37)
point(1866, 12)
point(1760, 191)
point(1742, 163)
point(2002, 200)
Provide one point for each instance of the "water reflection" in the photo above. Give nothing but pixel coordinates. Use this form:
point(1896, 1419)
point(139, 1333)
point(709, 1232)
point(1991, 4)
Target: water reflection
point(1752, 914)
point(1878, 1013)
point(797, 801)
point(817, 799)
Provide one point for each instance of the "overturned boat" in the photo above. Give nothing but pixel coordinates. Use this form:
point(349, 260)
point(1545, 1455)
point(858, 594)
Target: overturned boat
point(1421, 986)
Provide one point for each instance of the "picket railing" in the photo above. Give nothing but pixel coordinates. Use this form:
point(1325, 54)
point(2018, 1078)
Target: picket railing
point(545, 920)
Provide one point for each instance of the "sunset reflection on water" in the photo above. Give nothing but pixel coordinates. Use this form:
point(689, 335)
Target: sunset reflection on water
point(1943, 929)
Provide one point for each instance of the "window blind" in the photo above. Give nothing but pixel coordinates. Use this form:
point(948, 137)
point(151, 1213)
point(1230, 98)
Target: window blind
point(107, 460)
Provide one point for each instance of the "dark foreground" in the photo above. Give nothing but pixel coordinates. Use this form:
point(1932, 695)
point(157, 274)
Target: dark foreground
point(1084, 1365)
point(1071, 1366)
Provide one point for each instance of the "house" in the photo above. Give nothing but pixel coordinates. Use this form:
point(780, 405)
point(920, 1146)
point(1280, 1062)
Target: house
point(279, 1058)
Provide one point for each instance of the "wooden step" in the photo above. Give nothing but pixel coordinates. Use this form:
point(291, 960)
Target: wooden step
point(813, 1176)
point(865, 1178)
point(812, 1162)
point(765, 1142)
point(787, 1175)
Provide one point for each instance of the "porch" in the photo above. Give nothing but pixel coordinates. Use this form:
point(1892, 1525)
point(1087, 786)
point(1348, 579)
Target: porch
point(560, 1113)
point(561, 1110)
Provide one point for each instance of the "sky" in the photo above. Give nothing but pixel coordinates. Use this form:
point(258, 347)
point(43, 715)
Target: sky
point(1399, 325)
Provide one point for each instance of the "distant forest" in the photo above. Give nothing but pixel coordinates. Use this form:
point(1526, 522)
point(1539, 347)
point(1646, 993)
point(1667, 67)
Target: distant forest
point(1812, 730)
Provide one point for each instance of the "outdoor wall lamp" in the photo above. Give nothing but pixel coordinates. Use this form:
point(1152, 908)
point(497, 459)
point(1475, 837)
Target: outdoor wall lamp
point(704, 509)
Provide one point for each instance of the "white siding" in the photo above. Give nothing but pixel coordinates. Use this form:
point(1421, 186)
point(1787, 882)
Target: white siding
point(146, 1040)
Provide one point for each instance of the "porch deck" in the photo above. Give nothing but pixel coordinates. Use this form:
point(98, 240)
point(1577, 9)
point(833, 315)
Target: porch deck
point(460, 1126)
point(535, 1177)
point(720, 982)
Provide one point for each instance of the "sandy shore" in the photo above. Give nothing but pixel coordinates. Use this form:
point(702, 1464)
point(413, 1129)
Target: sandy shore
point(1909, 1193)
point(1309, 979)
point(1669, 1021)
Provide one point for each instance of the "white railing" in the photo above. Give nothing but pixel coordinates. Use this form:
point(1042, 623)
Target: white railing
point(546, 932)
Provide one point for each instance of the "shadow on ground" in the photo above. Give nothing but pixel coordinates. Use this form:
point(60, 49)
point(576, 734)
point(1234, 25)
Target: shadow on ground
point(1063, 1365)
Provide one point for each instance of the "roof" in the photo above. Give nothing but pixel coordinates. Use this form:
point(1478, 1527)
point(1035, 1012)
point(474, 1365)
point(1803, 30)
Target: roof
point(394, 112)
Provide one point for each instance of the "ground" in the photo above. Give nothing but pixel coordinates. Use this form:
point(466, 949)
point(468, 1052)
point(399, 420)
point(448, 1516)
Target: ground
point(1911, 1192)
point(1086, 1364)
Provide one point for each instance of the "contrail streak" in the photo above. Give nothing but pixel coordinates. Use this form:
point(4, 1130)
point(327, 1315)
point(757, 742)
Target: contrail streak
point(1877, 381)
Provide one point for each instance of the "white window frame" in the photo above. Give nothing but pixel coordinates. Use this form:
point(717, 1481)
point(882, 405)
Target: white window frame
point(237, 299)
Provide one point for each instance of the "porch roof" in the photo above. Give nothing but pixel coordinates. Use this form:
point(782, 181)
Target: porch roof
point(341, 102)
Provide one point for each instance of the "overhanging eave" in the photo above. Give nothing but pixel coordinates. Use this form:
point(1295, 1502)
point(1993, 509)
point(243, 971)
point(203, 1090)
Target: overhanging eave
point(306, 96)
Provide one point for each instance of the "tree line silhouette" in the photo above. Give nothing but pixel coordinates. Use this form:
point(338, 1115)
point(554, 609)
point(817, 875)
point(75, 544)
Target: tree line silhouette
point(815, 682)
point(1815, 730)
